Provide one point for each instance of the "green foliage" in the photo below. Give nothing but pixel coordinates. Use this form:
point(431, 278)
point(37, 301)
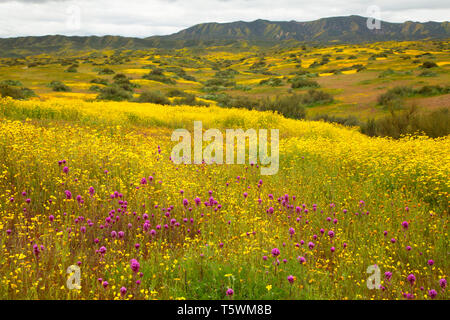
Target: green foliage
point(290, 106)
point(410, 121)
point(219, 82)
point(158, 75)
point(349, 121)
point(153, 97)
point(176, 93)
point(95, 88)
point(228, 73)
point(100, 81)
point(432, 90)
point(123, 82)
point(58, 86)
point(394, 96)
point(315, 97)
point(273, 82)
point(189, 100)
point(105, 71)
point(428, 65)
point(390, 72)
point(114, 93)
point(301, 82)
point(15, 83)
point(72, 69)
point(15, 93)
point(258, 65)
point(427, 73)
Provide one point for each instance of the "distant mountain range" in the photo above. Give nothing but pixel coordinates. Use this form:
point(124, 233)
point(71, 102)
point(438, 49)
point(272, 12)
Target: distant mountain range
point(349, 29)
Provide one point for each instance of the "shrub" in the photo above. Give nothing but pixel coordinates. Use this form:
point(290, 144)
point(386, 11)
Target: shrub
point(120, 77)
point(304, 83)
point(273, 82)
point(176, 93)
point(220, 82)
point(189, 100)
point(212, 89)
point(16, 83)
point(313, 97)
point(428, 65)
point(432, 90)
point(427, 73)
point(71, 69)
point(345, 121)
point(122, 81)
point(434, 124)
point(114, 93)
point(228, 73)
point(258, 65)
point(289, 106)
point(393, 95)
point(95, 88)
point(157, 75)
point(105, 71)
point(153, 97)
point(189, 78)
point(15, 93)
point(58, 86)
point(100, 81)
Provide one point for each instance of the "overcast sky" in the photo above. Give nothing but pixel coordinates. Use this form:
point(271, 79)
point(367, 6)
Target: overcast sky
point(143, 18)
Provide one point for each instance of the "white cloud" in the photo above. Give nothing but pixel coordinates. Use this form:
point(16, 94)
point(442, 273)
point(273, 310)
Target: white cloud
point(144, 18)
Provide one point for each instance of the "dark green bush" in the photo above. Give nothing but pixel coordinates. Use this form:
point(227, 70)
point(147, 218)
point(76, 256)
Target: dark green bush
point(428, 65)
point(71, 69)
point(153, 97)
point(434, 124)
point(393, 95)
point(158, 75)
point(100, 81)
point(228, 73)
point(300, 82)
point(289, 106)
point(432, 90)
point(114, 93)
point(15, 83)
point(258, 65)
point(220, 82)
point(176, 93)
point(314, 97)
point(16, 93)
point(123, 81)
point(106, 71)
point(427, 73)
point(189, 100)
point(58, 86)
point(345, 121)
point(95, 88)
point(273, 82)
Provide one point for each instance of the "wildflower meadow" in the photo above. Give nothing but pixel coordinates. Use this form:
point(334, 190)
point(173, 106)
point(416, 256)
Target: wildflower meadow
point(93, 207)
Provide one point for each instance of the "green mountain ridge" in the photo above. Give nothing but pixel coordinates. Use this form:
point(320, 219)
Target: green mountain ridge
point(349, 29)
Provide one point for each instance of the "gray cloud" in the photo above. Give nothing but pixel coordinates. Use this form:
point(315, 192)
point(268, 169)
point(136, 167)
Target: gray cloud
point(143, 18)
